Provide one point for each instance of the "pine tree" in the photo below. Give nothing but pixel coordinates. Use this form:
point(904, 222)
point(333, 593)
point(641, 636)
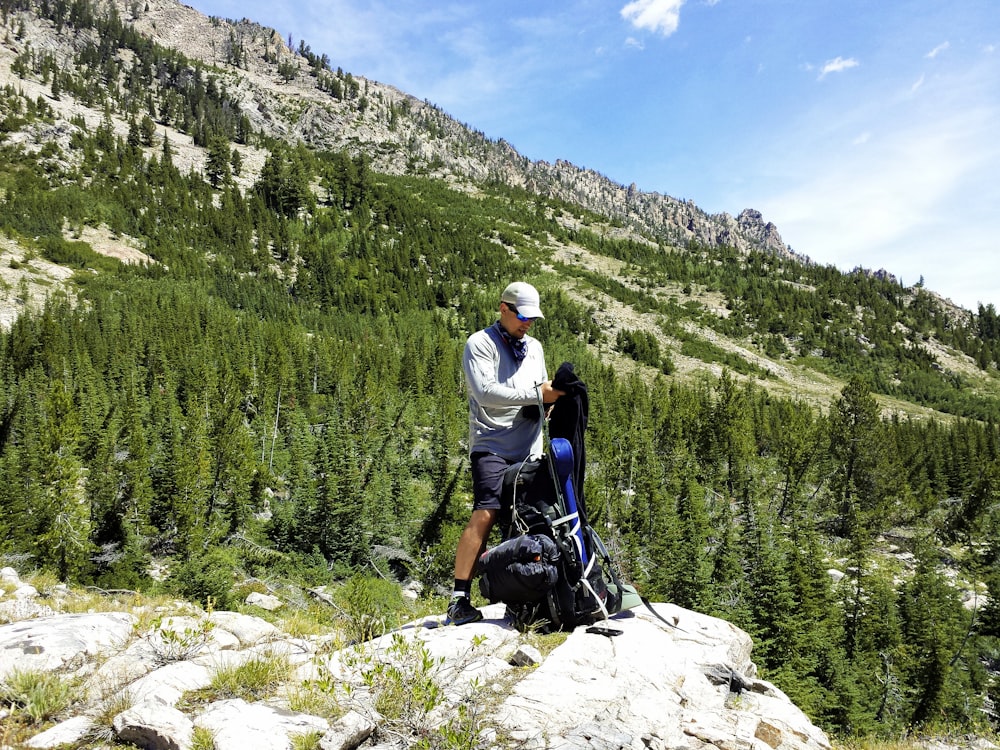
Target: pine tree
point(933, 624)
point(65, 541)
point(338, 515)
point(856, 449)
point(147, 130)
point(731, 436)
point(691, 564)
point(217, 161)
point(796, 436)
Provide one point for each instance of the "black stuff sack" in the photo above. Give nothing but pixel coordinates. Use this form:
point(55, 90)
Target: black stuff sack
point(522, 569)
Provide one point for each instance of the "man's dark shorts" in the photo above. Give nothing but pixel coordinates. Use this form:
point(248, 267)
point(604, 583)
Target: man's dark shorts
point(487, 480)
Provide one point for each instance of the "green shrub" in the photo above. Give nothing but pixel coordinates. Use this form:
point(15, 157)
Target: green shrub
point(438, 560)
point(206, 577)
point(306, 740)
point(171, 643)
point(405, 683)
point(254, 679)
point(372, 606)
point(202, 739)
point(75, 253)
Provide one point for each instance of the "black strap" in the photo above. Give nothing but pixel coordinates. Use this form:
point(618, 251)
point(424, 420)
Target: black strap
point(658, 616)
point(605, 631)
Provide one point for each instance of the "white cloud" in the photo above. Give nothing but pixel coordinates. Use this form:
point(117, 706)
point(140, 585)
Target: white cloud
point(633, 42)
point(861, 139)
point(654, 15)
point(838, 64)
point(917, 84)
point(938, 50)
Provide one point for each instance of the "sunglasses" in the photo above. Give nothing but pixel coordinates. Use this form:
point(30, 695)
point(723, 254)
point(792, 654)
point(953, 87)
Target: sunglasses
point(522, 318)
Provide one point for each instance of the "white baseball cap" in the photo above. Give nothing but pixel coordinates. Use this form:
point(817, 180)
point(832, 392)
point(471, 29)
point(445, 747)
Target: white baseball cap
point(524, 297)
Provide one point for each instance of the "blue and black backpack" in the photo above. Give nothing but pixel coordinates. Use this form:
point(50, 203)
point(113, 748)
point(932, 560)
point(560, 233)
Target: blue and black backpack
point(552, 570)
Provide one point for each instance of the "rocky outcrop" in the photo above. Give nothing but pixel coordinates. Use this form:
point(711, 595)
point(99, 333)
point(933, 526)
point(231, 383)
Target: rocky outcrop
point(638, 682)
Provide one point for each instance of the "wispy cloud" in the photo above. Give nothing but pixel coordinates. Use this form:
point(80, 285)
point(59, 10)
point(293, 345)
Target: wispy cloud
point(885, 201)
point(837, 65)
point(938, 50)
point(917, 84)
point(660, 16)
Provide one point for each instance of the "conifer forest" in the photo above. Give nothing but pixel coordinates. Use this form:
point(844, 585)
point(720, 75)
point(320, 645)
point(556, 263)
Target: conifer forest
point(277, 393)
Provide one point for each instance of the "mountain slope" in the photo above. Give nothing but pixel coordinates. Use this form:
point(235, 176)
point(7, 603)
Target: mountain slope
point(276, 93)
point(282, 92)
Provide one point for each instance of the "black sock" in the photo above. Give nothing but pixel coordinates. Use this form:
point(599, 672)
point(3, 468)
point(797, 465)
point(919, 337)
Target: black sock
point(463, 589)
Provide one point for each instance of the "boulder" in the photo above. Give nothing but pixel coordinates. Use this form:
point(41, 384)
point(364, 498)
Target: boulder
point(70, 732)
point(264, 601)
point(136, 660)
point(650, 687)
point(526, 656)
point(61, 641)
point(9, 577)
point(169, 683)
point(154, 725)
point(349, 731)
point(249, 630)
point(238, 725)
point(671, 680)
point(25, 591)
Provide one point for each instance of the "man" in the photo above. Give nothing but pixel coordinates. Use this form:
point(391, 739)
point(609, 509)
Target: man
point(504, 375)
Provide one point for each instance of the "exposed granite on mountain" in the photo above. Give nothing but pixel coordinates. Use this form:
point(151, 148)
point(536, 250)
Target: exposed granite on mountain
point(399, 132)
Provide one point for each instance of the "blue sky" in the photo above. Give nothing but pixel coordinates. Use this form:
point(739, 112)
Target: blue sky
point(868, 131)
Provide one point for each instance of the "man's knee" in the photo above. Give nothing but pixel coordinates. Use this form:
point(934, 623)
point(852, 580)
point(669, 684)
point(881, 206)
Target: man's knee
point(485, 515)
point(481, 521)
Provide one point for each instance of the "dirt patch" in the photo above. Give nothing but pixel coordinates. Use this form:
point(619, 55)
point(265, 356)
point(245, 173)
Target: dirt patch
point(104, 242)
point(26, 279)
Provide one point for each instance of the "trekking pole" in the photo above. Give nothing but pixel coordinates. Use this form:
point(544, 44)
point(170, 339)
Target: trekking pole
point(541, 410)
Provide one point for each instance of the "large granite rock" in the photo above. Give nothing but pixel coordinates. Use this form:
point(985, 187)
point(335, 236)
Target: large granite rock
point(683, 680)
point(62, 642)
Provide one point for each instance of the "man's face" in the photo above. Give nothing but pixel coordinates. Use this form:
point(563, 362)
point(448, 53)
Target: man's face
point(516, 325)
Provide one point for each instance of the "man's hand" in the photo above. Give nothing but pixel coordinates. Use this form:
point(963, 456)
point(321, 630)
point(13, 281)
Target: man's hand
point(550, 394)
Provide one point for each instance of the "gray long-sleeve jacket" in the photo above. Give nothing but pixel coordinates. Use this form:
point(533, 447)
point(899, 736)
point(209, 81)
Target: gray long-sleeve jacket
point(499, 388)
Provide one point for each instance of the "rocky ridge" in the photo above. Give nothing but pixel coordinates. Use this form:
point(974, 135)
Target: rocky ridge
point(399, 132)
point(153, 680)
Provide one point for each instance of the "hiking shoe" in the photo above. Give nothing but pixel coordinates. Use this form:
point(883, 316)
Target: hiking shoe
point(461, 611)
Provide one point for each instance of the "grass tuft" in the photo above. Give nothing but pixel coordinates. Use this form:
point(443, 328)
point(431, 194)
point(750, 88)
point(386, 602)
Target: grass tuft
point(253, 679)
point(38, 696)
point(202, 739)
